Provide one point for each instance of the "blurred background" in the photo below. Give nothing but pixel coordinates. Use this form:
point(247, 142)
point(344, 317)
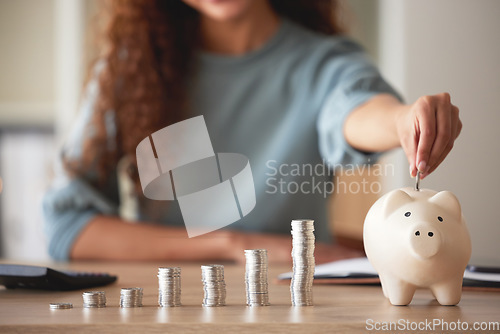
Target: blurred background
point(421, 46)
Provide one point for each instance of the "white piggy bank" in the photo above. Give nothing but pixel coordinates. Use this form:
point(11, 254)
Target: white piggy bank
point(418, 239)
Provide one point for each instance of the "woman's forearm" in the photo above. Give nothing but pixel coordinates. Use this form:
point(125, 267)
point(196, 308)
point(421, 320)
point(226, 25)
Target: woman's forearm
point(372, 126)
point(110, 238)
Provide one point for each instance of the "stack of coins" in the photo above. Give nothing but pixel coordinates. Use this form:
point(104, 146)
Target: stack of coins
point(169, 286)
point(212, 276)
point(256, 277)
point(94, 299)
point(60, 306)
point(303, 262)
point(131, 297)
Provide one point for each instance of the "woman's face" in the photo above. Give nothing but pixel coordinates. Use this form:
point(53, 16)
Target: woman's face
point(222, 10)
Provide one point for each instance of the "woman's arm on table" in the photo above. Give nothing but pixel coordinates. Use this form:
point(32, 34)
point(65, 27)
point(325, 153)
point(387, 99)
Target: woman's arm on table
point(110, 238)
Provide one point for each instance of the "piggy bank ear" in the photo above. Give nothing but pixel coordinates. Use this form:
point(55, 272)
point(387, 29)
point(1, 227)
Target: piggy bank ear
point(447, 201)
point(395, 200)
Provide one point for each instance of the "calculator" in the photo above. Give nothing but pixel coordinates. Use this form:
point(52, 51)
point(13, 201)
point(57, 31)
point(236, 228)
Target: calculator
point(14, 276)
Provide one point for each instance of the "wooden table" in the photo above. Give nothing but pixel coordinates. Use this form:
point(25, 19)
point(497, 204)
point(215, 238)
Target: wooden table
point(337, 309)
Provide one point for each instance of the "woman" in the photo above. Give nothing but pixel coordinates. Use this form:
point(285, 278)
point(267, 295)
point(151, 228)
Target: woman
point(273, 80)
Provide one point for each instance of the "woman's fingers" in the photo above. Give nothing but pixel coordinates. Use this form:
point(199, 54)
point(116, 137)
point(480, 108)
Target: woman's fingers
point(426, 120)
point(428, 132)
point(444, 138)
point(409, 145)
point(456, 128)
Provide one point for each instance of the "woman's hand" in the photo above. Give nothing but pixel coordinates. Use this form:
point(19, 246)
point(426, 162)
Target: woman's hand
point(427, 130)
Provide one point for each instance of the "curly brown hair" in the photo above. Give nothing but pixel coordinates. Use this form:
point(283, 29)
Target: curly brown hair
point(148, 47)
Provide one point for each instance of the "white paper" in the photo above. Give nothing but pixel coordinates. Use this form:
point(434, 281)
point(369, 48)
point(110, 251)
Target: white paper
point(342, 268)
point(361, 265)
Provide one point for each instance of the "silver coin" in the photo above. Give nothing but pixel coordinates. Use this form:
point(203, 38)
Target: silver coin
point(60, 306)
point(417, 181)
point(94, 299)
point(256, 277)
point(169, 286)
point(131, 297)
point(303, 241)
point(214, 285)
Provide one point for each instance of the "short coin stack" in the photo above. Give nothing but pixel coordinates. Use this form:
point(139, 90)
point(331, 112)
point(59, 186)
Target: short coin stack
point(303, 262)
point(131, 297)
point(60, 306)
point(169, 286)
point(92, 299)
point(256, 277)
point(212, 276)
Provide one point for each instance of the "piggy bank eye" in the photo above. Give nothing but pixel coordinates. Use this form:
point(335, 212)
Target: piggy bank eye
point(408, 214)
point(440, 219)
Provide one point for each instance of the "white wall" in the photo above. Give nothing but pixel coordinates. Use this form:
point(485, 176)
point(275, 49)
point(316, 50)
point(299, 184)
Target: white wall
point(26, 62)
point(431, 46)
point(69, 35)
point(41, 62)
point(41, 71)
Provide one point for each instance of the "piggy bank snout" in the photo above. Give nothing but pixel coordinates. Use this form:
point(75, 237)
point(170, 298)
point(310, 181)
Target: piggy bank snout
point(425, 241)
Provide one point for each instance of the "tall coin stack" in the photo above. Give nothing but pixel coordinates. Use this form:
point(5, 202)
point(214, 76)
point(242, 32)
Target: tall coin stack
point(131, 297)
point(212, 276)
point(303, 262)
point(169, 286)
point(256, 277)
point(93, 299)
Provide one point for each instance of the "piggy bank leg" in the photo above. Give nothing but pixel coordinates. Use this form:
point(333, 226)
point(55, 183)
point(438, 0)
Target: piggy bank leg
point(384, 286)
point(449, 292)
point(398, 291)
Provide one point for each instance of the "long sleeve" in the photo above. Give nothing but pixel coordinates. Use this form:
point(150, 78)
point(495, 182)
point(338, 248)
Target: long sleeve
point(71, 203)
point(354, 80)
